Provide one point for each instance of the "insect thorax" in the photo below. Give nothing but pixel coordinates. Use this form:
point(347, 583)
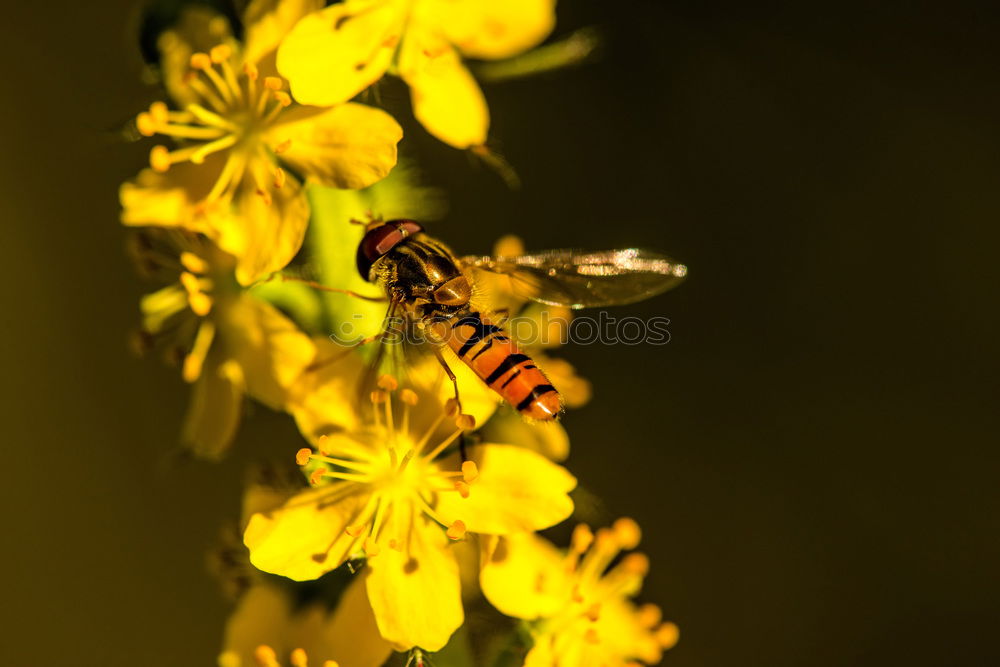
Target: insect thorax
point(414, 270)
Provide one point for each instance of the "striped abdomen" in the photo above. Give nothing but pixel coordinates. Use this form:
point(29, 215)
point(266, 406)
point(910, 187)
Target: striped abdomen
point(495, 358)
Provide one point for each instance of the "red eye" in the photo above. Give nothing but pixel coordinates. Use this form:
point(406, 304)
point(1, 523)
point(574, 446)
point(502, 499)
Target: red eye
point(380, 240)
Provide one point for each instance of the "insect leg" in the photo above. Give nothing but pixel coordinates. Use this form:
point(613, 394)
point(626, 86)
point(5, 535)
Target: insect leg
point(454, 382)
point(382, 333)
point(324, 288)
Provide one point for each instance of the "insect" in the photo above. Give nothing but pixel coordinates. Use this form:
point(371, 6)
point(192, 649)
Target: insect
point(430, 287)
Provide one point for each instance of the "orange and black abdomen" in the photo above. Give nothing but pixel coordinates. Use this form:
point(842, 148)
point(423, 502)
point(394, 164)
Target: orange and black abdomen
point(494, 357)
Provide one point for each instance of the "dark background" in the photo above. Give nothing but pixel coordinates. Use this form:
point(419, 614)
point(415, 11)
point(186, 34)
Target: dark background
point(813, 456)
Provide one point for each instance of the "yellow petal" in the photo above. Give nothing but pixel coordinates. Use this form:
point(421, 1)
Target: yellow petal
point(548, 439)
point(417, 596)
point(197, 30)
point(169, 199)
point(489, 29)
point(446, 99)
point(305, 538)
point(214, 411)
point(517, 490)
point(332, 55)
point(262, 235)
point(324, 399)
point(261, 617)
point(348, 146)
point(269, 347)
point(525, 577)
point(268, 21)
point(351, 635)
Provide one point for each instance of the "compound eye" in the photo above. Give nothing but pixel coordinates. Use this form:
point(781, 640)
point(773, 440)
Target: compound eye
point(380, 240)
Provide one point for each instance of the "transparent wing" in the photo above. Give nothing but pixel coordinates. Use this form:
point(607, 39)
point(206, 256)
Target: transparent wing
point(579, 279)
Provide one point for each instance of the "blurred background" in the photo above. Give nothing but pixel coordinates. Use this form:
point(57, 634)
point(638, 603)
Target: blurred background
point(810, 455)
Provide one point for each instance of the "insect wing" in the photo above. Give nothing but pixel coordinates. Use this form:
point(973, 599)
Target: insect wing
point(578, 279)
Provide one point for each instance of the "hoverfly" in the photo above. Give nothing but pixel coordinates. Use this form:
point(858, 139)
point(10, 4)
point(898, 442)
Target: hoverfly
point(429, 287)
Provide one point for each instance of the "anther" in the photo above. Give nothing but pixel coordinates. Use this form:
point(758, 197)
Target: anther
point(636, 564)
point(650, 615)
point(591, 636)
point(577, 595)
point(378, 397)
point(388, 382)
point(200, 303)
point(371, 548)
point(200, 61)
point(302, 456)
point(159, 159)
point(190, 282)
point(667, 635)
point(283, 98)
point(470, 471)
point(408, 397)
point(354, 531)
point(456, 531)
point(331, 663)
point(451, 407)
point(193, 262)
point(593, 613)
point(283, 146)
point(159, 112)
point(265, 656)
point(145, 124)
point(627, 532)
point(317, 475)
point(220, 53)
point(279, 178)
point(394, 545)
point(465, 422)
point(582, 538)
point(272, 82)
point(462, 488)
point(251, 71)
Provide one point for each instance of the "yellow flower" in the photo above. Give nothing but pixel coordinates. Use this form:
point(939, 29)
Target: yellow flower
point(392, 492)
point(268, 627)
point(240, 142)
point(229, 343)
point(580, 612)
point(332, 55)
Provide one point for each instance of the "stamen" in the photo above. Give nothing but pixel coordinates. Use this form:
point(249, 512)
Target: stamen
point(303, 455)
point(299, 658)
point(456, 531)
point(470, 471)
point(220, 53)
point(200, 61)
point(465, 422)
point(282, 147)
point(443, 444)
point(195, 359)
point(251, 71)
point(355, 531)
point(159, 159)
point(273, 83)
point(193, 262)
point(145, 124)
point(371, 548)
point(265, 656)
point(667, 635)
point(159, 112)
point(317, 476)
point(462, 488)
point(388, 382)
point(211, 118)
point(279, 178)
point(627, 532)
